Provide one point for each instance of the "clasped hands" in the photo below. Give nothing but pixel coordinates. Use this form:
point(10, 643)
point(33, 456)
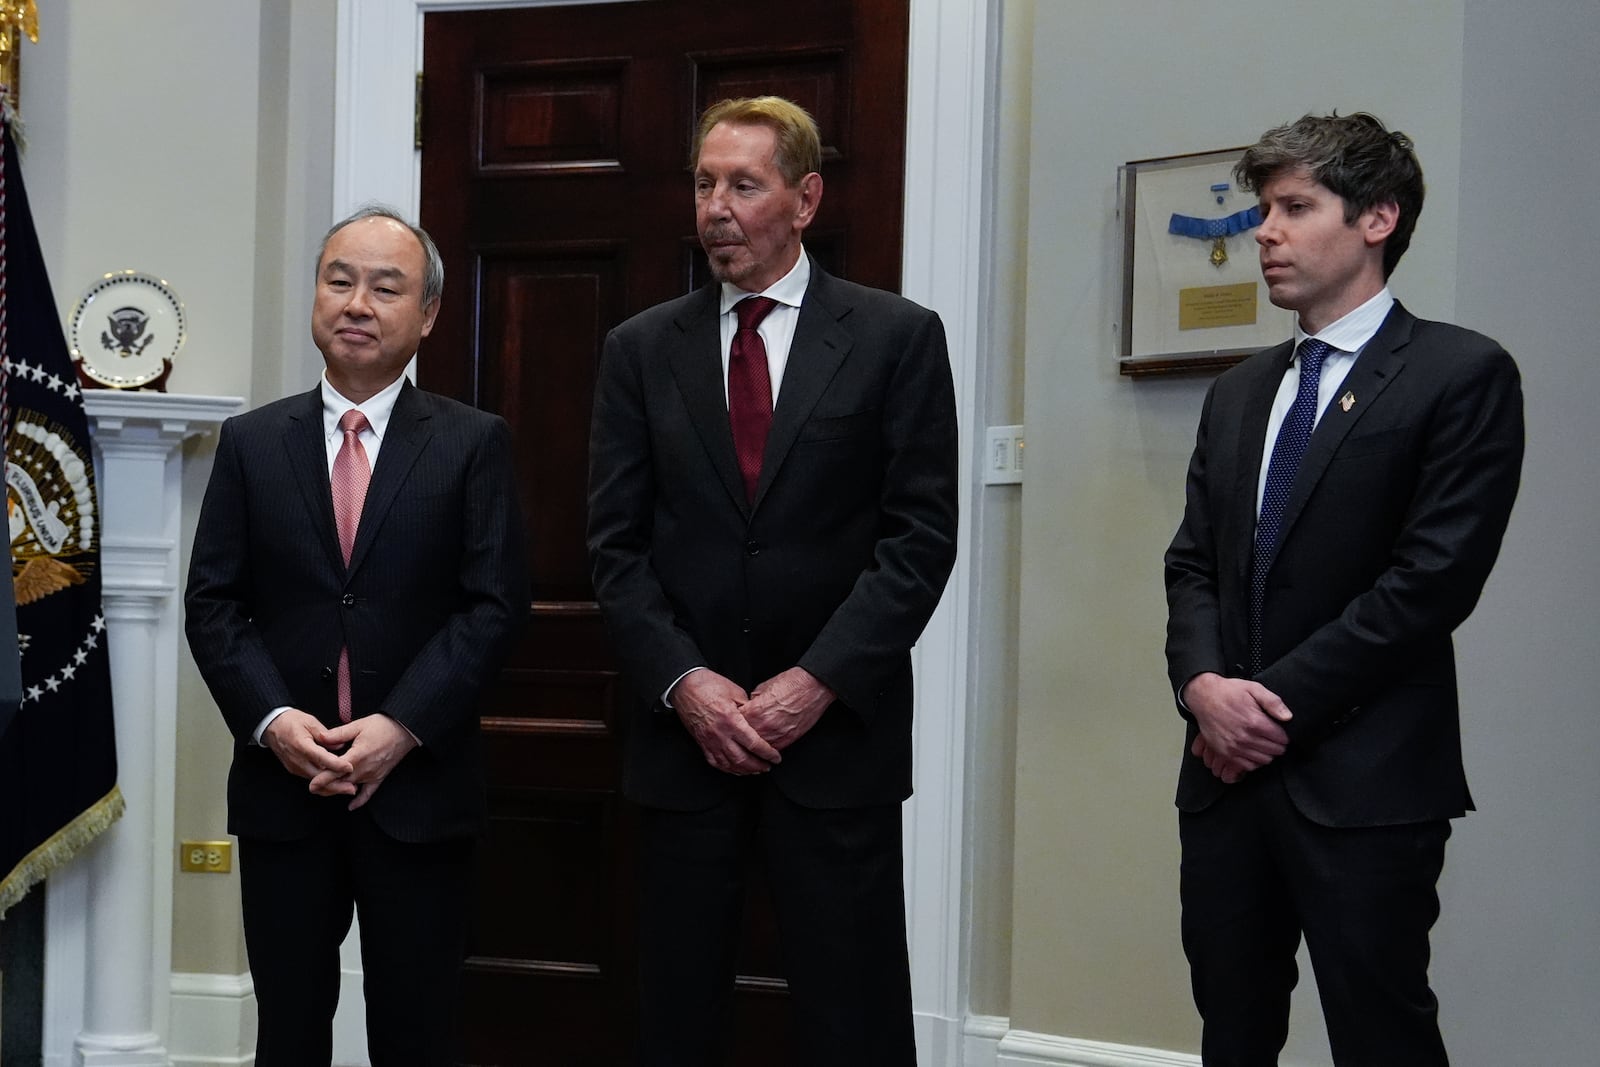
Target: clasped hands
point(1239, 724)
point(351, 759)
point(746, 733)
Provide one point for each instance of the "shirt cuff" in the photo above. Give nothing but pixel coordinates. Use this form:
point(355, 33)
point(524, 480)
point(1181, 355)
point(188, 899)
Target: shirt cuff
point(261, 728)
point(666, 696)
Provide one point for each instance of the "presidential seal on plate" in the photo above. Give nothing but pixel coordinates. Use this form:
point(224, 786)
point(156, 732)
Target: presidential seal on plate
point(125, 331)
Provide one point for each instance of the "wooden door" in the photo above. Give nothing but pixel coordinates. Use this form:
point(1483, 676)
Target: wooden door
point(555, 178)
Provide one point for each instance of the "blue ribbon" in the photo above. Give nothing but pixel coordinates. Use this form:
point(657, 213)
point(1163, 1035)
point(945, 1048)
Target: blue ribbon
point(1210, 229)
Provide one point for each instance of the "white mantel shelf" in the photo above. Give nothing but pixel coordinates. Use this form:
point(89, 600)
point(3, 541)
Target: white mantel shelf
point(108, 925)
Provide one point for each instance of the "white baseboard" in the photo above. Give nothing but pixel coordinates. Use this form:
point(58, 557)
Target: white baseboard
point(939, 1038)
point(350, 1019)
point(214, 1025)
point(989, 1041)
point(213, 1020)
point(980, 1040)
point(1020, 1048)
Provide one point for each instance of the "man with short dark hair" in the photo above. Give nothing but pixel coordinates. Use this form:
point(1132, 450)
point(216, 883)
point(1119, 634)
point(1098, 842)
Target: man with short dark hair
point(772, 516)
point(357, 570)
point(1346, 500)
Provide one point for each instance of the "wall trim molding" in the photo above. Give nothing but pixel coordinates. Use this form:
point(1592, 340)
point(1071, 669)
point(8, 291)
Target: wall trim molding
point(989, 1041)
point(213, 1020)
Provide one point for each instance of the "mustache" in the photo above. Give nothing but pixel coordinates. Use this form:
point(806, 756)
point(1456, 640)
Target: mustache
point(720, 233)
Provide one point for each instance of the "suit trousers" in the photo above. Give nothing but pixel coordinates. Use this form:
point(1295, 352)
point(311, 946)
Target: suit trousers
point(412, 899)
point(1257, 875)
point(840, 900)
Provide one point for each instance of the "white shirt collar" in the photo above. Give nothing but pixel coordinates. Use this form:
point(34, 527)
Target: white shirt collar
point(377, 408)
point(789, 289)
point(1352, 332)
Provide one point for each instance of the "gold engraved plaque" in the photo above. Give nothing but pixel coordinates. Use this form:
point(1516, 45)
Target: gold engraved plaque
point(1206, 306)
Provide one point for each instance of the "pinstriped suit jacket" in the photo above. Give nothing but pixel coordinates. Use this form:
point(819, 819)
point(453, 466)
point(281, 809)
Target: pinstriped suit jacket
point(435, 588)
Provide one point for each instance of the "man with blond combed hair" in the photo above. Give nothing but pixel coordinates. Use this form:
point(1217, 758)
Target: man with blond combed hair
point(772, 517)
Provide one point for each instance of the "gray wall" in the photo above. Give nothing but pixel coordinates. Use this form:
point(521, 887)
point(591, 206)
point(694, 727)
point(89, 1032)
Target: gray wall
point(1518, 952)
point(1498, 100)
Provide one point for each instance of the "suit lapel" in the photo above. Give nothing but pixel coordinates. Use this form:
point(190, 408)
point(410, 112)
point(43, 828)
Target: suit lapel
point(306, 444)
point(820, 345)
point(696, 362)
point(410, 428)
point(1377, 366)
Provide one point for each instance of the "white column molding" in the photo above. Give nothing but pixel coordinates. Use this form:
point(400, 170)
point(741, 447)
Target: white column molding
point(948, 204)
point(108, 926)
point(948, 201)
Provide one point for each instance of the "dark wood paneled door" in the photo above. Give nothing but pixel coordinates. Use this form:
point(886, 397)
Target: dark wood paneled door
point(555, 178)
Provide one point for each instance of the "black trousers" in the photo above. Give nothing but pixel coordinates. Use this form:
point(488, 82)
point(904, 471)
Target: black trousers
point(1257, 875)
point(298, 897)
point(840, 902)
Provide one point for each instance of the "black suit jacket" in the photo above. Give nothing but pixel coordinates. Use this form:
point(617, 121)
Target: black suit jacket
point(836, 566)
point(1393, 523)
point(434, 589)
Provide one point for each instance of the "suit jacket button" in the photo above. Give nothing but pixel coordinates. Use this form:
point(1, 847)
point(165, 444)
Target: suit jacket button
point(744, 625)
point(348, 600)
point(752, 548)
point(327, 674)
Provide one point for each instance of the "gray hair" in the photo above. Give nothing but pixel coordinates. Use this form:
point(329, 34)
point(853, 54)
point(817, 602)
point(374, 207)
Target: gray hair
point(433, 265)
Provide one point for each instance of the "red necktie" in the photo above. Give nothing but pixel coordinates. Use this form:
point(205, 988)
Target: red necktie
point(351, 473)
point(750, 390)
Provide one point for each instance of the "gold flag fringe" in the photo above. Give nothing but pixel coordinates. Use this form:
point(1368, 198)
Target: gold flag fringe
point(61, 847)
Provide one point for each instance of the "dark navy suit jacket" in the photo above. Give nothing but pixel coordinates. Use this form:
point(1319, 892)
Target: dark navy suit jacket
point(435, 588)
point(1394, 520)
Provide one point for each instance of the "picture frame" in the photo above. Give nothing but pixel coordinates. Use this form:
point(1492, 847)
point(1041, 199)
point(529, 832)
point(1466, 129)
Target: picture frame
point(1193, 299)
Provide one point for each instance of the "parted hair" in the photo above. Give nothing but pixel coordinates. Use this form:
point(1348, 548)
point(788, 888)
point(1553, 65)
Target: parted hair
point(1355, 156)
point(799, 145)
point(433, 263)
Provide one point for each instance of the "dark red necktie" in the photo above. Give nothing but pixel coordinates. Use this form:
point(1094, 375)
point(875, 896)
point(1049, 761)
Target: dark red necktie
point(750, 390)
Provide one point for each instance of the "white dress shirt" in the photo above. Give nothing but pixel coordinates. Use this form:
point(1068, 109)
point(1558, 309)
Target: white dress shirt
point(777, 334)
point(776, 330)
point(377, 408)
point(1348, 336)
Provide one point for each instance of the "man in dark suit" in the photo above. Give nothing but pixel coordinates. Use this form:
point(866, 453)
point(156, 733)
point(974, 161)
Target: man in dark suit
point(764, 585)
point(354, 580)
point(1346, 501)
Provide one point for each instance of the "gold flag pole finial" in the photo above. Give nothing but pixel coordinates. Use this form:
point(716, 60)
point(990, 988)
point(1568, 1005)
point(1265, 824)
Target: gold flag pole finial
point(17, 18)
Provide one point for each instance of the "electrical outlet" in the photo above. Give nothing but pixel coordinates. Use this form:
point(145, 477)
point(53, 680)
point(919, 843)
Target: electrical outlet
point(205, 857)
point(1003, 453)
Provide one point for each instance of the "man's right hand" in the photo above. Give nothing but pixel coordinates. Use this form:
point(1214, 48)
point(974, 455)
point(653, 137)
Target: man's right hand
point(708, 704)
point(1238, 722)
point(297, 739)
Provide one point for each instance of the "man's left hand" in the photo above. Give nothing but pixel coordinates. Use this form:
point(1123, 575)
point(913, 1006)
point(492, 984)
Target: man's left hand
point(1230, 771)
point(784, 707)
point(377, 744)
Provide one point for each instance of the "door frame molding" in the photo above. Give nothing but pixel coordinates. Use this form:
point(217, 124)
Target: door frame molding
point(950, 128)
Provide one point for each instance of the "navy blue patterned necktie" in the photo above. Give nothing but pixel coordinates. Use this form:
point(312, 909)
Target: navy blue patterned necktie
point(1293, 436)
